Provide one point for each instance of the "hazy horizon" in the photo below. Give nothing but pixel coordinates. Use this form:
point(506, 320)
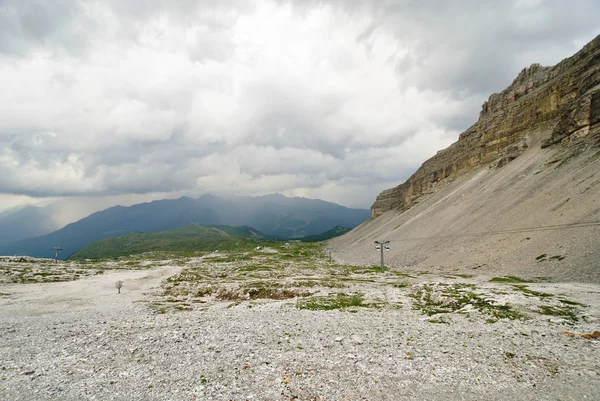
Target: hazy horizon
point(69, 210)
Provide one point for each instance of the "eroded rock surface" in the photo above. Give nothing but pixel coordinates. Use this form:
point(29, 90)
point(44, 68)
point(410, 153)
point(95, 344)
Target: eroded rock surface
point(544, 106)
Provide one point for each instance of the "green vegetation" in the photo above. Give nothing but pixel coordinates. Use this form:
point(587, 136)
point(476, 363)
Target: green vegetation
point(569, 302)
point(28, 273)
point(192, 238)
point(299, 274)
point(169, 306)
point(334, 232)
point(259, 290)
point(274, 215)
point(339, 300)
point(529, 292)
point(439, 320)
point(564, 312)
point(432, 299)
point(508, 279)
point(544, 257)
point(301, 270)
point(252, 275)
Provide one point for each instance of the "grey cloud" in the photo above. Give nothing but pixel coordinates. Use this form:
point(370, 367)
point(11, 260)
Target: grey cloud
point(292, 117)
point(209, 22)
point(26, 25)
point(472, 47)
point(148, 96)
point(181, 9)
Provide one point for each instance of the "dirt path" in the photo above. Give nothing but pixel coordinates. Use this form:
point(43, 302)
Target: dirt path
point(81, 340)
point(96, 292)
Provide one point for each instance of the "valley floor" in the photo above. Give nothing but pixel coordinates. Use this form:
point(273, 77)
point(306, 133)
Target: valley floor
point(195, 328)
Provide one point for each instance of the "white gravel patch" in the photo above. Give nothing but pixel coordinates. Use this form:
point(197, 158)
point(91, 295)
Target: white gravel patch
point(80, 340)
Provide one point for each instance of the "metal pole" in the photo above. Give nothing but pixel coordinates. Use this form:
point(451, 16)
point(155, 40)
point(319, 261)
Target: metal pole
point(56, 250)
point(382, 244)
point(330, 256)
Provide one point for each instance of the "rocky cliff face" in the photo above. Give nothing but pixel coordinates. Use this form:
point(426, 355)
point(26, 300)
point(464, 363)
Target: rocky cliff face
point(547, 105)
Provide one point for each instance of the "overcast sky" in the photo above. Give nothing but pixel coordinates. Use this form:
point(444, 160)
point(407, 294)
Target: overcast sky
point(120, 101)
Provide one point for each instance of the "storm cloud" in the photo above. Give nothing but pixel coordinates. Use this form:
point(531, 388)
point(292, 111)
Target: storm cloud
point(334, 100)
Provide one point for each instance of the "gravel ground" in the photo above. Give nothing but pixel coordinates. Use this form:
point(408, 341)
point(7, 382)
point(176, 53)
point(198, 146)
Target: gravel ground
point(499, 222)
point(81, 340)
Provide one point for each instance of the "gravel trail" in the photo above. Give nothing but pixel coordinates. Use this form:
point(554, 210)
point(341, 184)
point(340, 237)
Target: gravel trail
point(80, 340)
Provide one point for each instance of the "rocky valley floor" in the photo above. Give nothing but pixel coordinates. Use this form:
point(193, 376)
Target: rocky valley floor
point(285, 324)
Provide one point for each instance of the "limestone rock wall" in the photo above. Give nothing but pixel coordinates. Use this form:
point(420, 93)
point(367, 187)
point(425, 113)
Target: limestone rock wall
point(563, 100)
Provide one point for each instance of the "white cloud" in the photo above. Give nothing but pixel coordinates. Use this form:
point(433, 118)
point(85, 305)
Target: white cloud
point(336, 100)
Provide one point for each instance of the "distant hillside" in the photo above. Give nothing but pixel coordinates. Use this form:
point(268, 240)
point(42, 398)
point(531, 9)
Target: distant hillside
point(274, 215)
point(334, 232)
point(278, 216)
point(183, 239)
point(145, 217)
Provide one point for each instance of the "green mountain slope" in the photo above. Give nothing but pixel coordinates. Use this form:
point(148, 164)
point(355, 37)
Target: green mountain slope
point(190, 238)
point(334, 232)
point(274, 215)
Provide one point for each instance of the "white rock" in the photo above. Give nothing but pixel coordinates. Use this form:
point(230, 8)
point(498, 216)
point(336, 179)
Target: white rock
point(356, 339)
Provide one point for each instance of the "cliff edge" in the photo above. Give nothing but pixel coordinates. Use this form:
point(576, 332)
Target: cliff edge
point(544, 107)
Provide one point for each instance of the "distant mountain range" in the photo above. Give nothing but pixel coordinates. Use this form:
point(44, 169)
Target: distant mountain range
point(192, 238)
point(273, 215)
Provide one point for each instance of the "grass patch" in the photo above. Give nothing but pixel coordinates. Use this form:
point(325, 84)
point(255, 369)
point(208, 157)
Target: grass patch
point(328, 283)
point(400, 273)
point(569, 302)
point(259, 290)
point(158, 307)
point(530, 292)
point(170, 305)
point(332, 302)
point(564, 312)
point(256, 267)
point(439, 320)
point(433, 299)
point(508, 279)
point(297, 272)
point(366, 270)
point(230, 258)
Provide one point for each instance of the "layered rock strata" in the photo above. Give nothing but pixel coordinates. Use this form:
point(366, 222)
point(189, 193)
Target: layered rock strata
point(563, 101)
